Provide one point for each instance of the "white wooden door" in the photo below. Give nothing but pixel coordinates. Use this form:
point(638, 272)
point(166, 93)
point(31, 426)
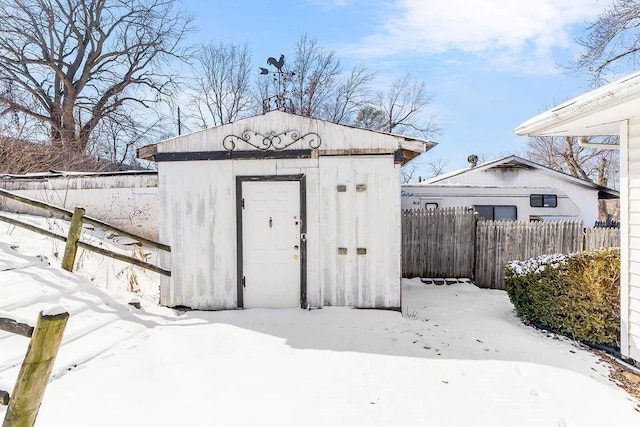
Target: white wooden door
point(271, 244)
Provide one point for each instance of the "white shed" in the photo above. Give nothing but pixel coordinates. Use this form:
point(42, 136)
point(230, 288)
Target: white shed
point(280, 210)
point(613, 109)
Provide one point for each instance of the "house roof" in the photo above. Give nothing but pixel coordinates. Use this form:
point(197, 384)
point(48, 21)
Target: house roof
point(516, 162)
point(613, 103)
point(261, 126)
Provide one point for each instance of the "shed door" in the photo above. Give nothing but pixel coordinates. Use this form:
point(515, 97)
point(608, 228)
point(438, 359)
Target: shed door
point(271, 244)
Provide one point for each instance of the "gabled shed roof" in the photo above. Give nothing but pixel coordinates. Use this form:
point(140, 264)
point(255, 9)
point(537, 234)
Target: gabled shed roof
point(516, 162)
point(276, 128)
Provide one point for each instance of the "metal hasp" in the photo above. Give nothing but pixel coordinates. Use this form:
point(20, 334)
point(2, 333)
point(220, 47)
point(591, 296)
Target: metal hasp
point(281, 81)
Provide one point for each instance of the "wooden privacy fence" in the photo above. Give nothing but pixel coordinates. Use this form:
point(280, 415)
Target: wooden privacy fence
point(499, 242)
point(601, 238)
point(73, 238)
point(438, 242)
point(36, 368)
point(452, 242)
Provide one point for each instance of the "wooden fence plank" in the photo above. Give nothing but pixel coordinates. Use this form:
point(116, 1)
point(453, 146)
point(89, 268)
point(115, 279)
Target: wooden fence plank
point(87, 219)
point(32, 228)
point(10, 325)
point(125, 258)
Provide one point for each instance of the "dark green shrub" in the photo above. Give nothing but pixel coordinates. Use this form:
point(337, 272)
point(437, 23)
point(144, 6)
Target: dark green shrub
point(577, 295)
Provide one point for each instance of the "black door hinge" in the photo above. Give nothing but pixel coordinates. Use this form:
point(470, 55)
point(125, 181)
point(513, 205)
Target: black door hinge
point(242, 203)
point(244, 282)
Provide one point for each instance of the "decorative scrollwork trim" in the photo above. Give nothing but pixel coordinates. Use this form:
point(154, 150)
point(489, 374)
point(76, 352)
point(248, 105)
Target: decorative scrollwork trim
point(272, 140)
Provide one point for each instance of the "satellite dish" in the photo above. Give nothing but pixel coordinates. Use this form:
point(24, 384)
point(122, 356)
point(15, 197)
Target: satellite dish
point(473, 160)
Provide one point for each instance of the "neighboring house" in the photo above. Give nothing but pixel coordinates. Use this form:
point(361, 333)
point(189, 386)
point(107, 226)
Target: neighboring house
point(613, 109)
point(128, 200)
point(280, 210)
point(511, 188)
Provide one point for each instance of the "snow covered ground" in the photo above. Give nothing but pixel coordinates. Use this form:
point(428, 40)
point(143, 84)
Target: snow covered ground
point(458, 356)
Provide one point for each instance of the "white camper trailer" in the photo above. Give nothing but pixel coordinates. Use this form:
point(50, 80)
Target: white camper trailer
point(494, 202)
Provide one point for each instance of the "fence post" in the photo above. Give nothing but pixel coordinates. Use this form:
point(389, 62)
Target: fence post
point(475, 246)
point(35, 370)
point(71, 248)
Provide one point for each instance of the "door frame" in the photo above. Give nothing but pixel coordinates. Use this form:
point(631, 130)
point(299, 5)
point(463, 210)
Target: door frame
point(303, 230)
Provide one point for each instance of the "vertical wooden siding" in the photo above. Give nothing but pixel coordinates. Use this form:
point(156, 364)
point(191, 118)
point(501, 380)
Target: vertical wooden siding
point(451, 242)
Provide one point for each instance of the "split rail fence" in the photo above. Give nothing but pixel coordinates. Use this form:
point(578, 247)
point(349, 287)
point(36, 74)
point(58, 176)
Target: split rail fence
point(452, 242)
point(73, 241)
point(46, 336)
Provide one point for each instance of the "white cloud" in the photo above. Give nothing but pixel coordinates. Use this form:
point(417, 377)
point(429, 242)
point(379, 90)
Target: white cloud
point(330, 4)
point(505, 30)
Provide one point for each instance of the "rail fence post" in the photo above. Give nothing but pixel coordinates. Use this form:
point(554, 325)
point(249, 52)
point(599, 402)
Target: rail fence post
point(35, 371)
point(71, 248)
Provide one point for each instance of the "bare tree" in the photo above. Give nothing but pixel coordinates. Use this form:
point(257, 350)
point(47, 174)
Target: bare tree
point(403, 106)
point(223, 84)
point(14, 125)
point(565, 154)
point(74, 63)
point(611, 43)
point(117, 137)
point(418, 171)
point(436, 166)
point(314, 81)
point(350, 96)
point(400, 109)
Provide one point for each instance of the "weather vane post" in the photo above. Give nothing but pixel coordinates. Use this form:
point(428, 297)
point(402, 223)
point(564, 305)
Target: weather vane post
point(281, 78)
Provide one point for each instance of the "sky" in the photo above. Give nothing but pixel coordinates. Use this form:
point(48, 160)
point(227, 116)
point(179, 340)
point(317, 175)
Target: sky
point(490, 64)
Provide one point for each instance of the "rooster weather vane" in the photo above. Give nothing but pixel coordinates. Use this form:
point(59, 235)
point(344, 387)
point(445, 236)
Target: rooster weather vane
point(281, 80)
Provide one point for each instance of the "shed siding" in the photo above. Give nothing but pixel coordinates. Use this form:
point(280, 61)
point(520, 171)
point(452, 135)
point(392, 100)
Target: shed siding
point(367, 219)
point(631, 294)
point(205, 254)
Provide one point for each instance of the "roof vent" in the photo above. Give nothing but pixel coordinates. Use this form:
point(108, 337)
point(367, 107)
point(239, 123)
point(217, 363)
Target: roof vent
point(473, 160)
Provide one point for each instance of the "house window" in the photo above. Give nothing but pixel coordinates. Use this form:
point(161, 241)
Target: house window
point(543, 201)
point(497, 213)
point(430, 206)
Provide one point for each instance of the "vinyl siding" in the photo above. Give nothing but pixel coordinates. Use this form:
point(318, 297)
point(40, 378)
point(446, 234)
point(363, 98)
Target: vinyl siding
point(630, 294)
